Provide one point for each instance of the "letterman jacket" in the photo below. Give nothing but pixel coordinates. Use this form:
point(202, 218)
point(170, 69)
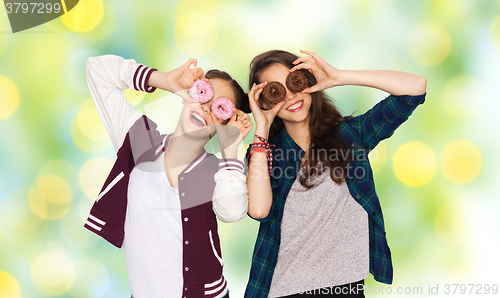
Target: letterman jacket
point(216, 187)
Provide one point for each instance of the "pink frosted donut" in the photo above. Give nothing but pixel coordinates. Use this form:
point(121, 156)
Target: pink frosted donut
point(222, 107)
point(201, 91)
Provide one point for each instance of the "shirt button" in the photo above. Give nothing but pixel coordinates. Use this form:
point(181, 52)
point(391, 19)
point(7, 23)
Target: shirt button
point(358, 196)
point(182, 178)
point(186, 219)
point(187, 268)
point(373, 213)
point(185, 289)
point(182, 194)
point(187, 242)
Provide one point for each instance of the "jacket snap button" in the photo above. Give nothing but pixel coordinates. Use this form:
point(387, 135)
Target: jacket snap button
point(186, 219)
point(182, 194)
point(182, 178)
point(185, 289)
point(187, 242)
point(187, 268)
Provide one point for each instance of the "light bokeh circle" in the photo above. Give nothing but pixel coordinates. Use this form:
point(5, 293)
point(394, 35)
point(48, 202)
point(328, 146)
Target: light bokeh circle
point(9, 100)
point(85, 17)
point(93, 278)
point(428, 44)
point(53, 273)
point(414, 163)
point(494, 33)
point(9, 286)
point(195, 31)
point(378, 156)
point(93, 175)
point(460, 161)
point(87, 130)
point(18, 213)
point(51, 197)
point(464, 97)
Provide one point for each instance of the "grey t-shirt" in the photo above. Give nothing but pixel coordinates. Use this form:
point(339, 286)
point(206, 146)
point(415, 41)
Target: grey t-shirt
point(324, 239)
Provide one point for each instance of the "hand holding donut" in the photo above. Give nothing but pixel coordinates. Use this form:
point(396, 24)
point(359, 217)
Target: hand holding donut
point(326, 75)
point(179, 80)
point(263, 118)
point(233, 132)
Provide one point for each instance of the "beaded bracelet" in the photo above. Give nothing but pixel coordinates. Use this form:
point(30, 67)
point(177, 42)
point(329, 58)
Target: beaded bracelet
point(263, 146)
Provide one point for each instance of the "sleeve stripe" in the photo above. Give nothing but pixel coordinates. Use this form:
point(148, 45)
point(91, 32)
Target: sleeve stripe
point(135, 76)
point(146, 80)
point(141, 78)
point(227, 167)
point(237, 164)
point(232, 164)
point(140, 82)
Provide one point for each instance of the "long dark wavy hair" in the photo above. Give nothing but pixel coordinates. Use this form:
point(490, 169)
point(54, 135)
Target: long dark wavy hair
point(324, 122)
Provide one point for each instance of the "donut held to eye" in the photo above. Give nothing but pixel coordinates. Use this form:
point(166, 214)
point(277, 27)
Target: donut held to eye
point(222, 107)
point(273, 93)
point(296, 81)
point(201, 91)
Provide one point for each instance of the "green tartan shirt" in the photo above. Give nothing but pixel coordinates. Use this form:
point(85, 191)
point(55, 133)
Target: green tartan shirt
point(363, 132)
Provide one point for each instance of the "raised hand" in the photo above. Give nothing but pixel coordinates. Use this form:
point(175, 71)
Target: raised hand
point(233, 133)
point(180, 79)
point(326, 75)
point(263, 118)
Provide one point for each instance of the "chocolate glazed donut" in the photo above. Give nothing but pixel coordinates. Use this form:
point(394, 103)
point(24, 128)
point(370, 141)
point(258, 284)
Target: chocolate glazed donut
point(273, 93)
point(296, 81)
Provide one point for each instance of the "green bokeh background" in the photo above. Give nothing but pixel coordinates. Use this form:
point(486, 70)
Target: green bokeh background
point(437, 177)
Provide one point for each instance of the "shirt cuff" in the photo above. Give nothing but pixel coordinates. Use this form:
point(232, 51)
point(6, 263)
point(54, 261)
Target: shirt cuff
point(141, 78)
point(231, 164)
point(412, 100)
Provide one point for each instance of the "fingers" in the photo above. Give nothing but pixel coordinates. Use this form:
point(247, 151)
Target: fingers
point(234, 117)
point(191, 61)
point(216, 121)
point(301, 66)
point(198, 72)
point(312, 89)
point(316, 57)
point(304, 59)
point(254, 94)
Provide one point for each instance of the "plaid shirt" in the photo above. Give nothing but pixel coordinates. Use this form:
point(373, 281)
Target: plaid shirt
point(364, 132)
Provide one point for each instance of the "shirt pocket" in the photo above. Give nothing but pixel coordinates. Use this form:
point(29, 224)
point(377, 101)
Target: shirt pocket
point(214, 250)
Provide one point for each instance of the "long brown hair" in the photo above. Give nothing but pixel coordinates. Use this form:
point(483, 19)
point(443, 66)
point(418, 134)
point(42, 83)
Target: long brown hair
point(324, 122)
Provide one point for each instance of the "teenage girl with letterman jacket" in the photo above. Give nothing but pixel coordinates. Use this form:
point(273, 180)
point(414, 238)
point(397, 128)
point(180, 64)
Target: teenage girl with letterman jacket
point(163, 194)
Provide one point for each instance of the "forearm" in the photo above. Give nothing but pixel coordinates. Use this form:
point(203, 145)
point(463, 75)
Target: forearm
point(157, 80)
point(260, 197)
point(393, 82)
point(230, 152)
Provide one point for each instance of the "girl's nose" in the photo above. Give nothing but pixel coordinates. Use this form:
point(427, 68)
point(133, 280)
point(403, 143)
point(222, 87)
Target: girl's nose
point(289, 94)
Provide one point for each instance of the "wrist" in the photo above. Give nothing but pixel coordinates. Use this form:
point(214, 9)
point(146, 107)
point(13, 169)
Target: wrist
point(230, 152)
point(157, 80)
point(339, 78)
point(262, 132)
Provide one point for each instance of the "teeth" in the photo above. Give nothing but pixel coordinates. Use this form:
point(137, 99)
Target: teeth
point(199, 117)
point(295, 106)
